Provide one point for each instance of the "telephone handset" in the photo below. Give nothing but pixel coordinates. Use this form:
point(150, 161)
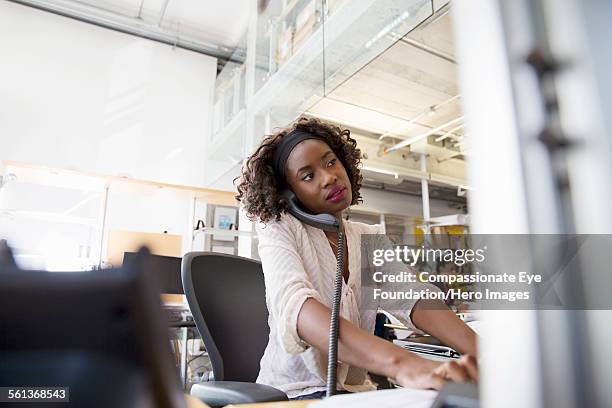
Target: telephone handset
point(326, 222)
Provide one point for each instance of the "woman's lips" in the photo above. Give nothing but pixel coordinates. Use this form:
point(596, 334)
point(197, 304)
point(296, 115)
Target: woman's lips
point(337, 197)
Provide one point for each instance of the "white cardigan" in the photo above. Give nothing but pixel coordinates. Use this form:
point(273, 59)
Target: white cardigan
point(298, 263)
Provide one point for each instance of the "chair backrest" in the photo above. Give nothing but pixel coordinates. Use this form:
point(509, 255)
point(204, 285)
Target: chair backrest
point(100, 333)
point(226, 295)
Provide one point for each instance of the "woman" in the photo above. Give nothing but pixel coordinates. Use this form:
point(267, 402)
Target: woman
point(319, 163)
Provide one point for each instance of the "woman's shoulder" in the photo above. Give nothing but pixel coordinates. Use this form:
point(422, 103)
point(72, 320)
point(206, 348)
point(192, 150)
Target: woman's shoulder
point(285, 224)
point(362, 228)
point(289, 224)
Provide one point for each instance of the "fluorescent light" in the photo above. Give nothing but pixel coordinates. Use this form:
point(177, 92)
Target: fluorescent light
point(382, 171)
point(430, 132)
point(387, 29)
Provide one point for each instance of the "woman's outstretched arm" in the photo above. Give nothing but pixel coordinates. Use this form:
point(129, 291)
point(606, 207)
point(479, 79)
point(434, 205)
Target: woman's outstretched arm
point(435, 318)
point(359, 348)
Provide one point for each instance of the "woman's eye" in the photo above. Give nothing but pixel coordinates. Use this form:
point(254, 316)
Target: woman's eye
point(307, 177)
point(331, 162)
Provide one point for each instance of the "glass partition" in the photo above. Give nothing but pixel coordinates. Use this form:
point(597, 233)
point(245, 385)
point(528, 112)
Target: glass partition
point(289, 64)
point(297, 52)
point(225, 148)
point(230, 91)
point(359, 30)
point(289, 40)
point(229, 96)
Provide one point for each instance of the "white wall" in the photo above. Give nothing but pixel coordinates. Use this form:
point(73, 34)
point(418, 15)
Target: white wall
point(78, 96)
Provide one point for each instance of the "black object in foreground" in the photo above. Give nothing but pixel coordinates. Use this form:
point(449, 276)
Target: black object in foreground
point(454, 395)
point(101, 334)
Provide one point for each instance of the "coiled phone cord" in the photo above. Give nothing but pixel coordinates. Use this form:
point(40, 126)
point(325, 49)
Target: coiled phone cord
point(332, 360)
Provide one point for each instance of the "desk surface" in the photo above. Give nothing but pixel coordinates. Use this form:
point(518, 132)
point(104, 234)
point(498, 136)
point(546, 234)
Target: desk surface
point(193, 402)
point(281, 404)
point(394, 398)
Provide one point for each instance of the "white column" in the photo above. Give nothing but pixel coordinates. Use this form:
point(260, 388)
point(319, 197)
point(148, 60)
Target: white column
point(102, 225)
point(190, 227)
point(425, 190)
point(245, 242)
point(497, 203)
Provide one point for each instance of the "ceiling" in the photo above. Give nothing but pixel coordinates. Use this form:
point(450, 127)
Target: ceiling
point(208, 22)
point(211, 27)
point(409, 94)
point(406, 92)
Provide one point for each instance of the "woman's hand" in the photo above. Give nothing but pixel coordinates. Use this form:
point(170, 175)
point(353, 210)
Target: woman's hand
point(432, 374)
point(360, 348)
point(433, 317)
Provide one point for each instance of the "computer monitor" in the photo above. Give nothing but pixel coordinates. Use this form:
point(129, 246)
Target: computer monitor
point(101, 333)
point(166, 270)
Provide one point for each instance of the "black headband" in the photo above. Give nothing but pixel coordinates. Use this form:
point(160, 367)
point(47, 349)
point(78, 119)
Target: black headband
point(284, 148)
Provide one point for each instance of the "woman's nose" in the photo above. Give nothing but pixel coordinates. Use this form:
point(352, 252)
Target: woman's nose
point(329, 178)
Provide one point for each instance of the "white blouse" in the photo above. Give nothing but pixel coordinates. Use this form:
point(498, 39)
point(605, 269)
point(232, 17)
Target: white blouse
point(298, 263)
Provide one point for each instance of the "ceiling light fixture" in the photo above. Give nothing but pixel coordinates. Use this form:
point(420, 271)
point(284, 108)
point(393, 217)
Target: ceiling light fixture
point(382, 171)
point(387, 29)
point(431, 110)
point(449, 133)
point(414, 139)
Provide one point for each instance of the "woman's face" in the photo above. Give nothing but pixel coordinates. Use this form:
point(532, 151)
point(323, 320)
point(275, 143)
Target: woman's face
point(318, 178)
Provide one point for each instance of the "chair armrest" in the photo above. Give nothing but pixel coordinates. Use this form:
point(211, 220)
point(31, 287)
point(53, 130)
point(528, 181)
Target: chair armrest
point(221, 393)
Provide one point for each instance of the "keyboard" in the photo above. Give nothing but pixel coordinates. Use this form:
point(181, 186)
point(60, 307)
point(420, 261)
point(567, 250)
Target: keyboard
point(454, 395)
point(433, 350)
point(176, 314)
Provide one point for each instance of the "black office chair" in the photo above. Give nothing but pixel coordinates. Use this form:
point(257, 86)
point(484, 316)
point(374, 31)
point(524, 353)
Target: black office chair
point(100, 333)
point(226, 295)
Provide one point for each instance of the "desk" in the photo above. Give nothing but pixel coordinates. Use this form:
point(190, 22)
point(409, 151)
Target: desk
point(395, 398)
point(281, 404)
point(194, 402)
point(185, 327)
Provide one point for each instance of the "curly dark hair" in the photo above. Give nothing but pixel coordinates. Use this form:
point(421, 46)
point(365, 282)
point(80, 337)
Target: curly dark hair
point(258, 188)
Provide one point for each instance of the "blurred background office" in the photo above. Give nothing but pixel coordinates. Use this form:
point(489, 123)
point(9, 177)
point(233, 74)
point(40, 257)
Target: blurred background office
point(124, 122)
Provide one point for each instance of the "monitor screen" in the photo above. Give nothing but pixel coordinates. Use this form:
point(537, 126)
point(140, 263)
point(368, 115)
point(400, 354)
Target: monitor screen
point(166, 269)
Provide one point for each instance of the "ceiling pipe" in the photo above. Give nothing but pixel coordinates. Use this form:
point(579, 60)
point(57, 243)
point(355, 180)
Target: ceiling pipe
point(442, 12)
point(450, 133)
point(428, 49)
point(430, 132)
point(411, 122)
point(128, 25)
point(404, 173)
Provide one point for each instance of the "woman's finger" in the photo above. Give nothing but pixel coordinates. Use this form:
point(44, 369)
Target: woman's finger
point(453, 371)
point(436, 382)
point(471, 366)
